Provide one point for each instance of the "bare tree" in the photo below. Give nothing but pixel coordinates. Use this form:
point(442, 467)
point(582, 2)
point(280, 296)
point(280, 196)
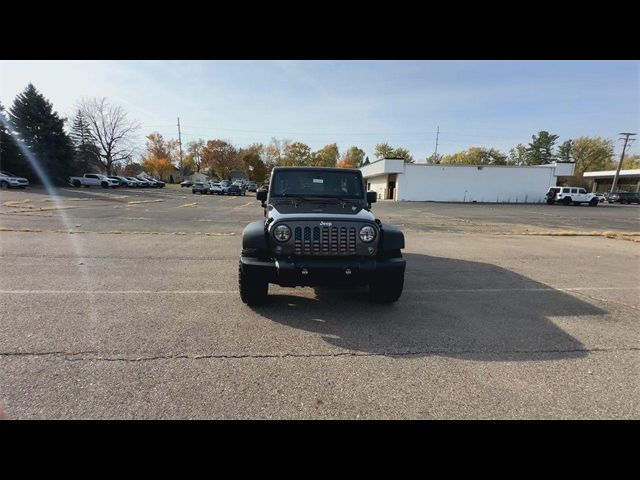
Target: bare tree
point(111, 130)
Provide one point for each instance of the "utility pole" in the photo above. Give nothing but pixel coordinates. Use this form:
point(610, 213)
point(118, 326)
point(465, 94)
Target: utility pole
point(180, 145)
point(624, 148)
point(435, 155)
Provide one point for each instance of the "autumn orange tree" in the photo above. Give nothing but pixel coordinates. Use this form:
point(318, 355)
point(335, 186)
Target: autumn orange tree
point(354, 158)
point(159, 155)
point(253, 164)
point(131, 169)
point(220, 157)
point(327, 156)
point(158, 167)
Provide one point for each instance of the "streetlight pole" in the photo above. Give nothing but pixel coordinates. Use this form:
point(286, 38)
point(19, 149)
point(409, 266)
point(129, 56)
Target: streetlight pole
point(624, 148)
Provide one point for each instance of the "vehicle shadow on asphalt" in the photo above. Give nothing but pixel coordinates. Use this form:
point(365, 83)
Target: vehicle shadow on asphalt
point(449, 307)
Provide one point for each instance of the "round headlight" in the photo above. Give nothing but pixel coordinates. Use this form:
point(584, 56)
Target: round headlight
point(282, 233)
point(367, 233)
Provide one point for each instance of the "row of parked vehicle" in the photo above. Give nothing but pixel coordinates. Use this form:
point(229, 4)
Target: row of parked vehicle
point(577, 196)
point(239, 187)
point(114, 181)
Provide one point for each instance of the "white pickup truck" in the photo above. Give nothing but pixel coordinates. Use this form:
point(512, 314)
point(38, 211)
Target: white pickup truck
point(93, 180)
point(571, 195)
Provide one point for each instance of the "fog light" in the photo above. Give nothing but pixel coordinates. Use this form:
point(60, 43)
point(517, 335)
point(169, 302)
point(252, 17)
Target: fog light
point(304, 271)
point(278, 249)
point(348, 271)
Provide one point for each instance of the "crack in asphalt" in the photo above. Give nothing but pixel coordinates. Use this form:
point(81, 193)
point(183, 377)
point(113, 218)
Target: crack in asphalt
point(86, 356)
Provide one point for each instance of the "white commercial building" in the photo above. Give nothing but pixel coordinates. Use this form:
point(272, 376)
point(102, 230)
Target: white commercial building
point(396, 180)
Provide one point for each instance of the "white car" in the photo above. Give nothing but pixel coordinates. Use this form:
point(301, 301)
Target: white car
point(93, 180)
point(571, 196)
point(9, 180)
point(215, 188)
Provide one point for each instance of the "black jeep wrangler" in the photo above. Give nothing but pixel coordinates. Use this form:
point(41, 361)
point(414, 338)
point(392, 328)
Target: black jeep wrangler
point(319, 231)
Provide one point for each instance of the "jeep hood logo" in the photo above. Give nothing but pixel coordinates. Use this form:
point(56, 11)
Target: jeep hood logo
point(325, 224)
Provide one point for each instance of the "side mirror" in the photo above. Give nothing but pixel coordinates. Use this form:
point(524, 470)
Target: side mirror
point(372, 197)
point(261, 195)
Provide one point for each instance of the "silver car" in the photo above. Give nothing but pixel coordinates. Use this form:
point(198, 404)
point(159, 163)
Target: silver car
point(9, 180)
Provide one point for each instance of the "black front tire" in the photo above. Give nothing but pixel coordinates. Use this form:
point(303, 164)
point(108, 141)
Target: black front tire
point(566, 201)
point(253, 291)
point(387, 288)
point(593, 203)
point(4, 186)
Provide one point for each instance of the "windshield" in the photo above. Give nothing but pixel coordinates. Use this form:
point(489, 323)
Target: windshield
point(7, 173)
point(317, 183)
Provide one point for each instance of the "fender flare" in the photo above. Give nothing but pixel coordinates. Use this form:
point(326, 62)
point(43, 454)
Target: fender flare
point(254, 239)
point(391, 238)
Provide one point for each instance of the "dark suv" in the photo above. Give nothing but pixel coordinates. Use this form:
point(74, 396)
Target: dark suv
point(319, 230)
point(623, 197)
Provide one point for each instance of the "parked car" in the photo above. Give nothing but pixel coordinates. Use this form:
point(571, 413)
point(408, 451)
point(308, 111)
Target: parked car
point(93, 180)
point(141, 182)
point(235, 190)
point(154, 182)
point(601, 197)
point(242, 184)
point(9, 180)
point(186, 183)
point(215, 188)
point(252, 186)
point(624, 197)
point(160, 183)
point(124, 181)
point(200, 187)
point(571, 195)
point(136, 182)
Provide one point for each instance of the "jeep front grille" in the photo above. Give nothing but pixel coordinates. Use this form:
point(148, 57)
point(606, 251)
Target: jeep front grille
point(328, 241)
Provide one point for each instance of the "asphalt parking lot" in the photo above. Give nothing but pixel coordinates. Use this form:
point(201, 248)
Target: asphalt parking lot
point(124, 304)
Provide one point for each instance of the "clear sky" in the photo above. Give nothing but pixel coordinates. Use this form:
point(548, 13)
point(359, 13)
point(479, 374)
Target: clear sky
point(475, 103)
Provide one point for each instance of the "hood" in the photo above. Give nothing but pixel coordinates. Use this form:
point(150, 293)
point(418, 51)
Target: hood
point(311, 210)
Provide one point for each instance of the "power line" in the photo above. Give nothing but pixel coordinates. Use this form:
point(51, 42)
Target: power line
point(281, 132)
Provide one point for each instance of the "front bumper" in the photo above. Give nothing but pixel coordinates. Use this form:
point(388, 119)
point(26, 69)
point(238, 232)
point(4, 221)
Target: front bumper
point(309, 271)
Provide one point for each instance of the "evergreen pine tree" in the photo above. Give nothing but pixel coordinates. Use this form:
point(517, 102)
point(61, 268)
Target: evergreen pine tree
point(540, 149)
point(10, 159)
point(41, 130)
point(86, 154)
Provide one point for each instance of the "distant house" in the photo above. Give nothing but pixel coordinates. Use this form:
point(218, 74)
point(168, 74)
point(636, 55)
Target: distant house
point(237, 175)
point(175, 176)
point(198, 177)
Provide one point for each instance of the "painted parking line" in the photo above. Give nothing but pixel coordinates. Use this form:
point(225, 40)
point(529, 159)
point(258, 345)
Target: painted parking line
point(225, 292)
